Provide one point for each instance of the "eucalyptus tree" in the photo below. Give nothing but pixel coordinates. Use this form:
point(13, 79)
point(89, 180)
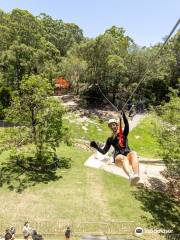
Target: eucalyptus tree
point(60, 34)
point(40, 115)
point(27, 51)
point(74, 70)
point(101, 54)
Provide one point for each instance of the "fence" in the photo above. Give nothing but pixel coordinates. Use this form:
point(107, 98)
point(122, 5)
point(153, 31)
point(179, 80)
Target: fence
point(78, 228)
point(8, 124)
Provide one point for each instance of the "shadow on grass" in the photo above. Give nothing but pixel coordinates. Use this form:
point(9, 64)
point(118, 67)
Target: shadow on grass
point(163, 208)
point(17, 177)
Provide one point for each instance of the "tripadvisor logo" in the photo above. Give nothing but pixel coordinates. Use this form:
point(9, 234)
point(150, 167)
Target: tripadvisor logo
point(138, 231)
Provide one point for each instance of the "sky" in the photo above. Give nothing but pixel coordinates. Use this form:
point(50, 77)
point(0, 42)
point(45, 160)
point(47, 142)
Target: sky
point(147, 22)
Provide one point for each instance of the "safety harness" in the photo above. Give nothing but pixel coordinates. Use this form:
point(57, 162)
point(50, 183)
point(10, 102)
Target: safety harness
point(121, 137)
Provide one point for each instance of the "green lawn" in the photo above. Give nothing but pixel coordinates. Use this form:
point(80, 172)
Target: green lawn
point(82, 194)
point(142, 138)
point(91, 129)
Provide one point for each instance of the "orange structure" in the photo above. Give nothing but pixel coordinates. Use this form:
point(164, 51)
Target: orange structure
point(61, 85)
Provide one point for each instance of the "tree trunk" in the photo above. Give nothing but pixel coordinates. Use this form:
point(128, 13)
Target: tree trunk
point(114, 96)
point(77, 84)
point(33, 124)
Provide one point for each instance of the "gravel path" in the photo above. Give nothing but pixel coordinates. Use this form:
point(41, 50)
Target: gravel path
point(136, 120)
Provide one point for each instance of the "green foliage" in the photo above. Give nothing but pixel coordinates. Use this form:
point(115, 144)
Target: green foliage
point(5, 97)
point(163, 209)
point(16, 62)
point(20, 60)
point(168, 132)
point(105, 62)
point(24, 27)
point(14, 138)
point(41, 114)
point(163, 205)
point(61, 35)
point(174, 48)
point(51, 48)
point(21, 26)
point(74, 69)
point(34, 90)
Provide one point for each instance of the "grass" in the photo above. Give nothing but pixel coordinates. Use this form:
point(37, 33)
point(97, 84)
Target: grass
point(88, 129)
point(142, 138)
point(81, 195)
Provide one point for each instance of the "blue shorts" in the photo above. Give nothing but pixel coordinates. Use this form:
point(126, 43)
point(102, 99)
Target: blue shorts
point(122, 152)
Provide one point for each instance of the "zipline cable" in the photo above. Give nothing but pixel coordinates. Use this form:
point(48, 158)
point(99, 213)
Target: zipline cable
point(113, 106)
point(151, 62)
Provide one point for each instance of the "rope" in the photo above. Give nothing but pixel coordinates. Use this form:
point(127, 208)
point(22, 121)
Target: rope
point(152, 60)
point(113, 106)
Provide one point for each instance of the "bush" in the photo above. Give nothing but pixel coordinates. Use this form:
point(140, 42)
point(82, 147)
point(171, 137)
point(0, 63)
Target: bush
point(168, 133)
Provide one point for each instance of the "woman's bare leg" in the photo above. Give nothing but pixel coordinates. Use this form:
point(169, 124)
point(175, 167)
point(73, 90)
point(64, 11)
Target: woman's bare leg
point(121, 160)
point(132, 157)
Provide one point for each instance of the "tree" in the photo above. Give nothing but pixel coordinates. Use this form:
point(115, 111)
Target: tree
point(41, 115)
point(5, 31)
point(74, 70)
point(168, 133)
point(24, 27)
point(155, 86)
point(15, 63)
point(61, 35)
point(161, 201)
point(100, 54)
point(157, 83)
point(24, 49)
point(175, 69)
point(116, 73)
point(5, 97)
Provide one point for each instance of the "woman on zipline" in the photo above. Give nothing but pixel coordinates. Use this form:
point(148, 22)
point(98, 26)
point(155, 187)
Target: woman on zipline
point(123, 156)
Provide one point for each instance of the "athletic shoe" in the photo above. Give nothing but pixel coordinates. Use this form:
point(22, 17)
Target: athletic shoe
point(134, 179)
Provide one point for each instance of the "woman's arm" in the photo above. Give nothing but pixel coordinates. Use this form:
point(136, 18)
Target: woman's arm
point(103, 150)
point(126, 128)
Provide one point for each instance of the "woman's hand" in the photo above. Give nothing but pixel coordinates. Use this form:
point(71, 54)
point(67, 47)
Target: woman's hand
point(93, 144)
point(122, 112)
